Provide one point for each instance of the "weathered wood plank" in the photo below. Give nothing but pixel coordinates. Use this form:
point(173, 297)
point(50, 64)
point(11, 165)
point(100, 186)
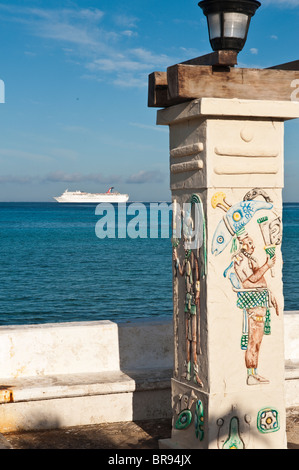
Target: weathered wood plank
point(157, 89)
point(187, 82)
point(287, 66)
point(157, 81)
point(221, 58)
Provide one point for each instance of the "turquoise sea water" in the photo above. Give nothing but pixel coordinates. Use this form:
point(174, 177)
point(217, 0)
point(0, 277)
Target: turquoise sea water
point(55, 269)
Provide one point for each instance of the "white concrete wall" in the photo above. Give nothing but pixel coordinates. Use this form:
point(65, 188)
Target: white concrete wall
point(291, 337)
point(69, 374)
point(84, 347)
point(59, 375)
point(291, 340)
point(102, 346)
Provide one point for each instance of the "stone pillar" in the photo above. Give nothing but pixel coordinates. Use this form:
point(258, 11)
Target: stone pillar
point(226, 159)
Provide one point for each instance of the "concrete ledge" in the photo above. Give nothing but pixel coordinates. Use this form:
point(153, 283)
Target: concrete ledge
point(78, 385)
point(89, 409)
point(99, 372)
point(203, 107)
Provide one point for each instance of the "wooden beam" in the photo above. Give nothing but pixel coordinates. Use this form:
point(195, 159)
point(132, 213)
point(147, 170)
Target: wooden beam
point(157, 90)
point(188, 82)
point(287, 66)
point(157, 81)
point(218, 58)
point(200, 77)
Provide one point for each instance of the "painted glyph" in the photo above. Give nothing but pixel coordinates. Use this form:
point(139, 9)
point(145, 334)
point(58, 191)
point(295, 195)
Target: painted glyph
point(186, 413)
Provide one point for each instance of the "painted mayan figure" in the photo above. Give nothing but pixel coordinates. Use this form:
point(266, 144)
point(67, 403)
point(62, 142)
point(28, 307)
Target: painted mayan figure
point(192, 268)
point(255, 297)
point(247, 277)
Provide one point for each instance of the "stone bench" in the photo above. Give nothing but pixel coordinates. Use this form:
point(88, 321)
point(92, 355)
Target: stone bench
point(69, 374)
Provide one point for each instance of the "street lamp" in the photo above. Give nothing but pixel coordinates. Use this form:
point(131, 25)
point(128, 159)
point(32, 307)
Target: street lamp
point(228, 22)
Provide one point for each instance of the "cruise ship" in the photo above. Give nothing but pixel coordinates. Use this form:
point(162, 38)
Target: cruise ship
point(80, 197)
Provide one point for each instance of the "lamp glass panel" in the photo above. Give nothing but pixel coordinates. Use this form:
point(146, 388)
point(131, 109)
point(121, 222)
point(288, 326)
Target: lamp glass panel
point(214, 25)
point(235, 25)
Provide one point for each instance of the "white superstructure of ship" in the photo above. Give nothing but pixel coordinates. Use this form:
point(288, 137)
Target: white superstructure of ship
point(80, 197)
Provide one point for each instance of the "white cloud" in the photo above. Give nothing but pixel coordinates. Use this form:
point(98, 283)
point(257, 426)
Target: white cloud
point(68, 33)
point(131, 81)
point(254, 50)
point(129, 33)
point(148, 57)
point(77, 26)
point(19, 154)
point(59, 15)
point(109, 65)
point(125, 21)
point(62, 177)
point(131, 67)
point(142, 177)
point(149, 127)
point(96, 42)
point(17, 179)
point(30, 54)
point(64, 153)
point(154, 176)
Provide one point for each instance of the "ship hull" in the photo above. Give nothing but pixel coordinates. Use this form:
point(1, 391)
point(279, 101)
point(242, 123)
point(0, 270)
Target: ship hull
point(97, 198)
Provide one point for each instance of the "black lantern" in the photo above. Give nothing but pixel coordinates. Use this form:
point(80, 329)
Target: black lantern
point(228, 22)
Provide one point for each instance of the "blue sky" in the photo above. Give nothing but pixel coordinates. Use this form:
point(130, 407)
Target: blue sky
point(75, 72)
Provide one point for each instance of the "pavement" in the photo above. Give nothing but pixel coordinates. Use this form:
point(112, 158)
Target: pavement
point(124, 435)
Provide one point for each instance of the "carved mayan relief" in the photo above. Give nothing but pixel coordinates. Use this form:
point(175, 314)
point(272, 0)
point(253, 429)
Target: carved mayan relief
point(247, 274)
point(184, 416)
point(192, 269)
point(229, 434)
point(268, 420)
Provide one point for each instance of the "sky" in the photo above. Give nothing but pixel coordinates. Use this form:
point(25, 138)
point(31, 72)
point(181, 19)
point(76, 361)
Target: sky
point(76, 80)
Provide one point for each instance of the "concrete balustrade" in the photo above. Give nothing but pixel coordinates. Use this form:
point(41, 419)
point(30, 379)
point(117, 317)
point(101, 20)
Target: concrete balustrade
point(291, 344)
point(68, 374)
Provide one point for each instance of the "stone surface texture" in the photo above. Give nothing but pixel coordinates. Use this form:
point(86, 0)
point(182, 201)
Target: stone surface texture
point(239, 181)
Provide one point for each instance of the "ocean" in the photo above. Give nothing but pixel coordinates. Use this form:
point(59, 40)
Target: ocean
point(54, 267)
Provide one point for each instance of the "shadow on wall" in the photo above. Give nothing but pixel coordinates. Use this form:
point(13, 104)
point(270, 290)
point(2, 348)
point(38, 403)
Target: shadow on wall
point(231, 431)
point(146, 344)
point(146, 355)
